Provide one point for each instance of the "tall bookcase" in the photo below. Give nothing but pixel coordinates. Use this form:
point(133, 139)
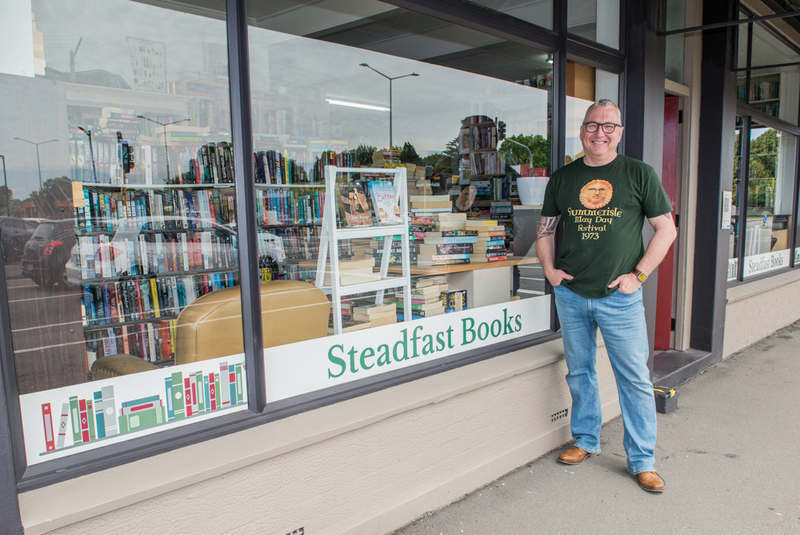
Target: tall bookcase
point(332, 235)
point(144, 252)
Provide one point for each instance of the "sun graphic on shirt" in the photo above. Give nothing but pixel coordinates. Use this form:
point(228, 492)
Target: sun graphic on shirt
point(596, 194)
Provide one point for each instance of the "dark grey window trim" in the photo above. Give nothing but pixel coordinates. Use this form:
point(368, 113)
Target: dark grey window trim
point(456, 11)
point(595, 55)
point(484, 20)
point(242, 136)
point(767, 120)
point(11, 441)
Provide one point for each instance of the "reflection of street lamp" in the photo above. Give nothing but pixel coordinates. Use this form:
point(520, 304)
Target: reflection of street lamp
point(38, 163)
point(5, 179)
point(91, 151)
point(165, 125)
point(390, 78)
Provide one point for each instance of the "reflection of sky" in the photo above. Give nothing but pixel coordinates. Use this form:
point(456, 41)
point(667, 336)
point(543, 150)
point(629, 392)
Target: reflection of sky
point(427, 110)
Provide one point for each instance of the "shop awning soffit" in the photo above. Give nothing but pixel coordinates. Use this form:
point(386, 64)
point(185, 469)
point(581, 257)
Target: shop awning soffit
point(779, 14)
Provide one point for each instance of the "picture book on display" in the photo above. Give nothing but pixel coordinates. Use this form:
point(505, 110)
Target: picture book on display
point(351, 200)
point(384, 202)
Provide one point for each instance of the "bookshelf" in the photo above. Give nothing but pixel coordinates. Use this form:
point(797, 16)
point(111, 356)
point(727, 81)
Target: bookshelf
point(764, 92)
point(144, 252)
point(487, 168)
point(332, 235)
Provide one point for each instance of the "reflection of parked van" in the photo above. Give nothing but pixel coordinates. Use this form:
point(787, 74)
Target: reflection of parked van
point(14, 234)
point(47, 252)
point(158, 246)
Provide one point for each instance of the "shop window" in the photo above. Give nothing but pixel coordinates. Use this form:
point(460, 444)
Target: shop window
point(126, 310)
point(585, 85)
point(121, 157)
point(596, 20)
point(771, 90)
point(733, 224)
point(762, 213)
point(675, 44)
point(464, 115)
point(769, 200)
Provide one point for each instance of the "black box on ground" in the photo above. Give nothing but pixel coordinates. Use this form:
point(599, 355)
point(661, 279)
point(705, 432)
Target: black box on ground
point(666, 399)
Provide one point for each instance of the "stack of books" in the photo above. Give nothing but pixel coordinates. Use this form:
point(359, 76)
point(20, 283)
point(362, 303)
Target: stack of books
point(376, 315)
point(418, 226)
point(451, 242)
point(376, 247)
point(353, 271)
point(420, 205)
point(490, 245)
point(426, 299)
point(349, 323)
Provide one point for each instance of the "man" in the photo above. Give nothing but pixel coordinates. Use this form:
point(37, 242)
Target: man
point(604, 199)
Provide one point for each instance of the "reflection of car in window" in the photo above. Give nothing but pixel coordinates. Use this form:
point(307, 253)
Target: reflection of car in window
point(47, 251)
point(14, 234)
point(163, 245)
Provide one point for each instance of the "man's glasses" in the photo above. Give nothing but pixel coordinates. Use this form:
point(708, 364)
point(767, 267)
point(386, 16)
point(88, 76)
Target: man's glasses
point(608, 128)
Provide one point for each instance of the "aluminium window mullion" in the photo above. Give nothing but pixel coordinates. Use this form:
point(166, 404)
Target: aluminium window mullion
point(242, 137)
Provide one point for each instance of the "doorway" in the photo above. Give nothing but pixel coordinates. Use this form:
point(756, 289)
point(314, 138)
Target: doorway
point(670, 178)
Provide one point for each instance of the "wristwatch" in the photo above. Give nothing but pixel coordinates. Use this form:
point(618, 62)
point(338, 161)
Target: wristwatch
point(639, 275)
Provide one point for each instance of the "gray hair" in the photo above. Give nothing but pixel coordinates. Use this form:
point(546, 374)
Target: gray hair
point(603, 103)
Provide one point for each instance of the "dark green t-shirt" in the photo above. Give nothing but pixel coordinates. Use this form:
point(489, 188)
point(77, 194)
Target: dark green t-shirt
point(603, 209)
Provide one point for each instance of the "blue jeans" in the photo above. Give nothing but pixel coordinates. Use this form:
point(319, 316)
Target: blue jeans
point(621, 320)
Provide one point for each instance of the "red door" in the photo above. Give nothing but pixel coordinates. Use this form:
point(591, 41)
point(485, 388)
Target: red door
point(666, 271)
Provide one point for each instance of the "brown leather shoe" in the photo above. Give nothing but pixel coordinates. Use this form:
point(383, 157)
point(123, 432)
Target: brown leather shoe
point(650, 481)
point(574, 455)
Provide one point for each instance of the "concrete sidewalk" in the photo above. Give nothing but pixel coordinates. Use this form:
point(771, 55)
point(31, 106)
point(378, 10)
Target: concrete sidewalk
point(730, 456)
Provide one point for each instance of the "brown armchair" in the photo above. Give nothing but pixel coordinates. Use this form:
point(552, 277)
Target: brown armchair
point(211, 326)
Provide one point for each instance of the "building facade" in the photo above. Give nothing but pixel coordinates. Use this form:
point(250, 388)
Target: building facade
point(364, 178)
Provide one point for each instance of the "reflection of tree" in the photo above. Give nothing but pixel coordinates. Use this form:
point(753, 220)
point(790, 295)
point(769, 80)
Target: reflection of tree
point(8, 204)
point(539, 146)
point(363, 154)
point(443, 162)
point(53, 201)
point(763, 166)
point(409, 154)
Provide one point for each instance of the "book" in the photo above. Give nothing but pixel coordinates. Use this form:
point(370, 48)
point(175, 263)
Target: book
point(422, 199)
point(384, 202)
point(449, 262)
point(450, 239)
point(430, 281)
point(444, 248)
point(481, 223)
point(373, 310)
point(383, 320)
point(348, 325)
point(448, 204)
point(437, 257)
point(424, 291)
point(453, 216)
point(351, 200)
point(427, 305)
point(454, 300)
point(452, 232)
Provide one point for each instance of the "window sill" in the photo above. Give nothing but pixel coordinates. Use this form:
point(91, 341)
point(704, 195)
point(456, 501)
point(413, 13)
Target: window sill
point(749, 289)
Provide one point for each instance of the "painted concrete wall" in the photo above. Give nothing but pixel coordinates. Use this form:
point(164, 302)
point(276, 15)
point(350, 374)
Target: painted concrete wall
point(364, 466)
point(759, 308)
